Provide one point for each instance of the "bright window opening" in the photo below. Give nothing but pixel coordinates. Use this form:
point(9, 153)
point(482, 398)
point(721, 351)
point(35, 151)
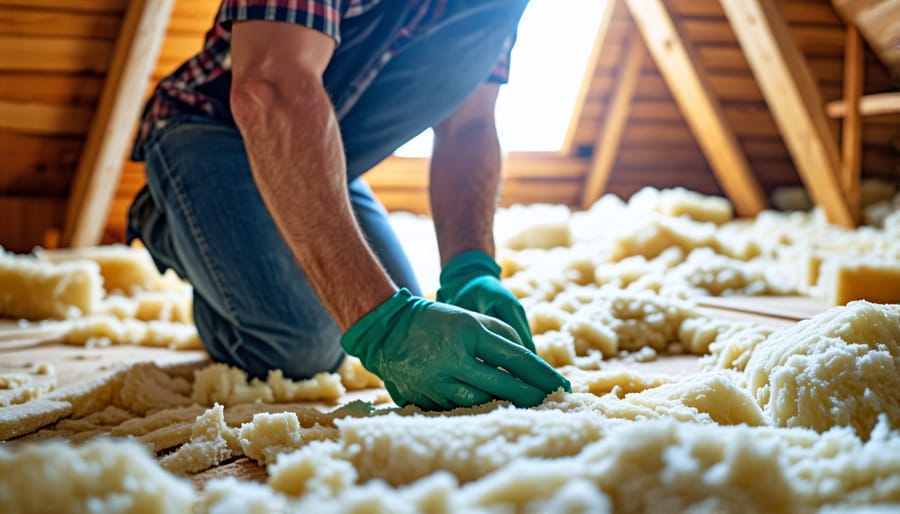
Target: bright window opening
point(548, 63)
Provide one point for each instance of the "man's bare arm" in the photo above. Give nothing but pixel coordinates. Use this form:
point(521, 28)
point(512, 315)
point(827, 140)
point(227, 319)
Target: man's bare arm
point(294, 146)
point(465, 176)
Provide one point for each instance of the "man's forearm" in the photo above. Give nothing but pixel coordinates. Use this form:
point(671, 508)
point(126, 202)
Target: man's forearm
point(294, 147)
point(464, 183)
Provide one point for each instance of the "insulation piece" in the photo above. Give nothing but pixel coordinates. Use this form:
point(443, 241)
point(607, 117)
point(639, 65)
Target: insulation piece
point(212, 442)
point(533, 226)
point(682, 202)
point(32, 289)
point(220, 383)
point(16, 420)
point(714, 394)
point(650, 235)
point(555, 347)
point(107, 329)
point(100, 476)
point(626, 321)
point(124, 269)
point(145, 387)
point(846, 279)
point(174, 306)
point(355, 377)
point(270, 435)
point(839, 368)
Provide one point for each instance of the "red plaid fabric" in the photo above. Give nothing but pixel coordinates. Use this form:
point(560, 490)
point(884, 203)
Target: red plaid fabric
point(183, 91)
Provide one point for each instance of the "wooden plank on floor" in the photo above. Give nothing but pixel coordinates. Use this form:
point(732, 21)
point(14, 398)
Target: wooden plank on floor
point(793, 98)
point(690, 87)
point(792, 308)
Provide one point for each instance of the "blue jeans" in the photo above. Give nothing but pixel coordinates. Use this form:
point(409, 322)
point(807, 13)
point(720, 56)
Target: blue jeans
point(201, 213)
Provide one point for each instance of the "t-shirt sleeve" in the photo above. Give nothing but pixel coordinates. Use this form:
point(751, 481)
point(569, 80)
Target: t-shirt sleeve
point(500, 73)
point(321, 15)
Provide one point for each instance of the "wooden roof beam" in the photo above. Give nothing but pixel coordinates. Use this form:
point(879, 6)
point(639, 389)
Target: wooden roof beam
point(137, 48)
point(610, 137)
point(690, 87)
point(584, 91)
point(869, 105)
point(794, 100)
point(851, 132)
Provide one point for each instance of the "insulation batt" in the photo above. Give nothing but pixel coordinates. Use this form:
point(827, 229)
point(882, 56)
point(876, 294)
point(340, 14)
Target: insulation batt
point(35, 290)
point(124, 269)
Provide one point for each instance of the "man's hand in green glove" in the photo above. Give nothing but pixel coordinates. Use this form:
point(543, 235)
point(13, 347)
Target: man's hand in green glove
point(471, 280)
point(439, 356)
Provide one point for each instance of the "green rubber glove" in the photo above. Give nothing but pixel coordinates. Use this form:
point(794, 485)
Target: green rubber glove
point(471, 280)
point(438, 356)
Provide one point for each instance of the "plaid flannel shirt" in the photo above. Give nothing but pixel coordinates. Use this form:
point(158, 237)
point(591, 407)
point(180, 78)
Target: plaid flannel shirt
point(178, 93)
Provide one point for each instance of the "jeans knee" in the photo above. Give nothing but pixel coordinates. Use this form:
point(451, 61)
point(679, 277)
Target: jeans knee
point(259, 346)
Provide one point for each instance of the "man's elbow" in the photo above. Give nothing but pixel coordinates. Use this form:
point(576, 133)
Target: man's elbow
point(250, 98)
point(254, 99)
point(468, 133)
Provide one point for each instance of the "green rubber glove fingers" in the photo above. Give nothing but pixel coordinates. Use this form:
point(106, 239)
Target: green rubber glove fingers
point(440, 356)
point(471, 280)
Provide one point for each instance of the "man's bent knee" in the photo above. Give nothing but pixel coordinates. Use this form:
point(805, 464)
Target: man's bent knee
point(258, 347)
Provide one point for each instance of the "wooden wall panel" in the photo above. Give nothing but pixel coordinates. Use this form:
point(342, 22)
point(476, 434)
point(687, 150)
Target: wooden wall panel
point(53, 55)
point(27, 217)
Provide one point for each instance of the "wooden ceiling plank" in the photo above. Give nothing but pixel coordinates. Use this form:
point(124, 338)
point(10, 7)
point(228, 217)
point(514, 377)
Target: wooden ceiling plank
point(91, 6)
point(41, 118)
point(587, 82)
point(36, 22)
point(97, 176)
point(851, 133)
point(793, 98)
point(54, 54)
point(607, 146)
point(690, 87)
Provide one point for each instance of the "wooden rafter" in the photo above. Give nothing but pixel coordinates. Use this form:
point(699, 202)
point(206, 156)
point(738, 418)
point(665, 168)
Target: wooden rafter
point(137, 47)
point(793, 98)
point(869, 105)
point(851, 134)
point(690, 87)
point(587, 81)
point(610, 137)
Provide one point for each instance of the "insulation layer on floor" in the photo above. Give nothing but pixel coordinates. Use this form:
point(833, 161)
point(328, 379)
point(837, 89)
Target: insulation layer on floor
point(708, 373)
